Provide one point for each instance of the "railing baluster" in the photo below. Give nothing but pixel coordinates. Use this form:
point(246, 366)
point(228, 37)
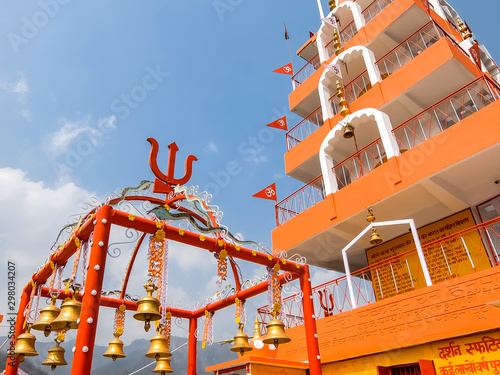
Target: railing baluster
point(394, 278)
point(446, 260)
point(468, 254)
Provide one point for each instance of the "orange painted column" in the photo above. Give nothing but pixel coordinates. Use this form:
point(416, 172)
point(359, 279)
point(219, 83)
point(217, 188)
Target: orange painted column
point(310, 324)
point(12, 364)
point(193, 324)
point(85, 338)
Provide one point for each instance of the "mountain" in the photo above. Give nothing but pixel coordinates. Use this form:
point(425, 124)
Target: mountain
point(134, 360)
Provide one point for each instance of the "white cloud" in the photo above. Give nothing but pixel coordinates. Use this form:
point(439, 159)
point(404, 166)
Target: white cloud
point(20, 88)
point(256, 158)
point(26, 114)
point(32, 215)
point(211, 147)
point(58, 142)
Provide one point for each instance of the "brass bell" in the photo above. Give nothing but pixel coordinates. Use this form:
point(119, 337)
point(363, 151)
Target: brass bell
point(348, 131)
point(163, 366)
point(47, 316)
point(375, 238)
point(276, 332)
point(370, 217)
point(241, 344)
point(148, 308)
point(115, 348)
point(25, 345)
point(69, 315)
point(159, 347)
point(55, 357)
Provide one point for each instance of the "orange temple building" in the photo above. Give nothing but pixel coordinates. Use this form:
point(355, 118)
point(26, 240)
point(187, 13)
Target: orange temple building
point(401, 207)
point(397, 150)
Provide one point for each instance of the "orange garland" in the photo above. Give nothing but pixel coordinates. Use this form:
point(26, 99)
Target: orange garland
point(205, 329)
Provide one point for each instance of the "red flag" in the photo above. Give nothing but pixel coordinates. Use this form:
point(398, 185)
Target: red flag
point(285, 69)
point(476, 55)
point(267, 193)
point(311, 34)
point(279, 124)
point(286, 32)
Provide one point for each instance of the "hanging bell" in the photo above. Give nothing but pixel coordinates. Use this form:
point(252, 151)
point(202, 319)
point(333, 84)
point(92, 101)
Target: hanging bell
point(69, 315)
point(159, 347)
point(115, 348)
point(163, 366)
point(55, 357)
point(375, 238)
point(241, 344)
point(370, 217)
point(348, 131)
point(47, 316)
point(25, 345)
point(148, 308)
point(276, 332)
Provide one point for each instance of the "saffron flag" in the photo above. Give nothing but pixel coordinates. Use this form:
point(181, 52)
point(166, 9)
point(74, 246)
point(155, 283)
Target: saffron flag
point(476, 55)
point(279, 124)
point(286, 32)
point(285, 69)
point(267, 193)
point(334, 68)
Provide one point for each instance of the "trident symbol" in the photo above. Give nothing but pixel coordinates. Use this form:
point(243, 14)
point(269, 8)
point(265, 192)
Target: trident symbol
point(164, 183)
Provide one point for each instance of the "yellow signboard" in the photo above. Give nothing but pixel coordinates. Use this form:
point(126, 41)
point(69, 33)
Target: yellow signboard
point(396, 266)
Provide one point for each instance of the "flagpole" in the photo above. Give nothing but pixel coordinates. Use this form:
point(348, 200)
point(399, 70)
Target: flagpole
point(287, 37)
point(321, 14)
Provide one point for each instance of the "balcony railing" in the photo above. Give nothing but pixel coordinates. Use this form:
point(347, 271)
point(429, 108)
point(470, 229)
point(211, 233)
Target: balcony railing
point(306, 71)
point(433, 120)
point(375, 8)
point(360, 163)
point(304, 198)
point(447, 258)
point(409, 48)
point(348, 32)
point(357, 87)
point(304, 129)
point(447, 112)
point(345, 35)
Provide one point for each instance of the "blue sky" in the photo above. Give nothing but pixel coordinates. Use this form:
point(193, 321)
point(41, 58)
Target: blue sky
point(84, 84)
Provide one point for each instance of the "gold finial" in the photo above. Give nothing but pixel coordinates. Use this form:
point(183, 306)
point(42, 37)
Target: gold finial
point(344, 111)
point(332, 4)
point(336, 42)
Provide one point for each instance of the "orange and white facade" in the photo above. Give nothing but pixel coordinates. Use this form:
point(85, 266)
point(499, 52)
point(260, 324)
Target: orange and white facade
point(423, 98)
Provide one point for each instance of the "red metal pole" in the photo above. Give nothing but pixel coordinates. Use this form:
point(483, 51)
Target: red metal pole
point(310, 324)
point(12, 364)
point(85, 338)
point(193, 323)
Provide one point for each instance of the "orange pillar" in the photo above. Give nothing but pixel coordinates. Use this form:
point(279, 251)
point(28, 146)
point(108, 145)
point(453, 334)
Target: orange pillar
point(13, 363)
point(85, 338)
point(193, 323)
point(310, 324)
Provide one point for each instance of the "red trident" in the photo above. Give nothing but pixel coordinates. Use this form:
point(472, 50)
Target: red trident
point(165, 183)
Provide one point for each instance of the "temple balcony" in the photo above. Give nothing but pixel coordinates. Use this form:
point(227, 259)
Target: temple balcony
point(471, 250)
point(398, 83)
point(440, 163)
point(389, 305)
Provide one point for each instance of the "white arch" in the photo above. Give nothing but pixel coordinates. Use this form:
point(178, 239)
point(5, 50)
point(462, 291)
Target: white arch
point(384, 127)
point(356, 11)
point(326, 30)
point(346, 56)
